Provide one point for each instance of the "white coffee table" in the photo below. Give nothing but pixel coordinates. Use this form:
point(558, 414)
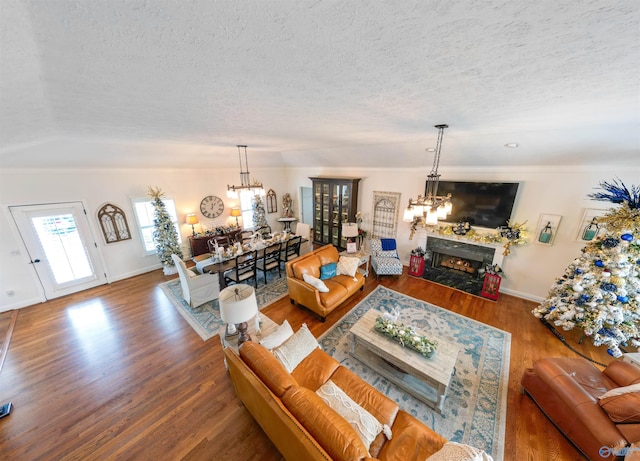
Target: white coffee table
point(427, 379)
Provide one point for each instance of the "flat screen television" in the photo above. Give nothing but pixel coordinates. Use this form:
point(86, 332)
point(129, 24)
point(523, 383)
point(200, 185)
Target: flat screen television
point(483, 204)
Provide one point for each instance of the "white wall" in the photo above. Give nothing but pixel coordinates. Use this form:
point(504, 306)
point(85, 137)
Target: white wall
point(95, 188)
point(530, 270)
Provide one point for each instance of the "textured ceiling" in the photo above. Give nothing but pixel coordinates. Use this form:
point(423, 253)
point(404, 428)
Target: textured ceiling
point(159, 83)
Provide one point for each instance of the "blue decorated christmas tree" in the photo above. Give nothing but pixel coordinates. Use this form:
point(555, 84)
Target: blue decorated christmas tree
point(600, 291)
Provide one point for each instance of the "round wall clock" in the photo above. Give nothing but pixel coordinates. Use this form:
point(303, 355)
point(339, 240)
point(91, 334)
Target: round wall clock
point(211, 206)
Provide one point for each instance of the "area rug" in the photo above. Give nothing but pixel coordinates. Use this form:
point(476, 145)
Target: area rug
point(205, 319)
point(476, 401)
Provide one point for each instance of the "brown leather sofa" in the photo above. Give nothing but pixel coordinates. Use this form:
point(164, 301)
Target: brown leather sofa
point(303, 427)
point(568, 391)
point(341, 287)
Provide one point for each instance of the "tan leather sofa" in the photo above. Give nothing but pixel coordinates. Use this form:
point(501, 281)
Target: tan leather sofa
point(568, 391)
point(303, 427)
point(341, 287)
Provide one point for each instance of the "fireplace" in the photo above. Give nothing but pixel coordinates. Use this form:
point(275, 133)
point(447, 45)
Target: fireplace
point(458, 264)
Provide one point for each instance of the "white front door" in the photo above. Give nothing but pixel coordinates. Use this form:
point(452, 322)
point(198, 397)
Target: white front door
point(61, 247)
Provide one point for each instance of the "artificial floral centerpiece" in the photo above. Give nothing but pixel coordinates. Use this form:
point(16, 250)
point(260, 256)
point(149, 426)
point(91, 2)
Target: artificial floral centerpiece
point(406, 336)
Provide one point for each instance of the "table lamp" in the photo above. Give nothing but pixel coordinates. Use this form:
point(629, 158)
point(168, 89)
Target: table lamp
point(193, 220)
point(350, 230)
point(235, 212)
point(238, 304)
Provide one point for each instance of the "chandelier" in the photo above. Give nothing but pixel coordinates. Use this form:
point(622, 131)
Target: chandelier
point(427, 208)
point(245, 180)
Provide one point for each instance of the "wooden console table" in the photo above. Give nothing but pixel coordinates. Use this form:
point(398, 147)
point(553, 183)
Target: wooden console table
point(198, 244)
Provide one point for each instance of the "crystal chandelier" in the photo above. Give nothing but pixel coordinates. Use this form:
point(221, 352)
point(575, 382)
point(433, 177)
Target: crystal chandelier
point(245, 180)
point(427, 208)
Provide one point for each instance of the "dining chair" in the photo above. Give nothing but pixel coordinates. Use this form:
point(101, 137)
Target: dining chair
point(270, 260)
point(291, 249)
point(304, 231)
point(245, 236)
point(244, 269)
point(265, 231)
point(196, 289)
point(222, 240)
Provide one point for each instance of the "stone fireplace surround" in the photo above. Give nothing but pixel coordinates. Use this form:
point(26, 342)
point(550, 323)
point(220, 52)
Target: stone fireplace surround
point(455, 262)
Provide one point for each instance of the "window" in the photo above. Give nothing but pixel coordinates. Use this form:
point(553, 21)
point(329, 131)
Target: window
point(144, 211)
point(246, 197)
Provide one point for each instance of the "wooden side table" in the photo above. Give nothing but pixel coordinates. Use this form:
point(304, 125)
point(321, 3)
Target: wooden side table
point(364, 258)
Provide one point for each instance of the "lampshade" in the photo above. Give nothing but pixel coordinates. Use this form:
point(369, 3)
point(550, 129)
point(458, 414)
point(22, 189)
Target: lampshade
point(349, 230)
point(235, 212)
point(238, 303)
point(192, 219)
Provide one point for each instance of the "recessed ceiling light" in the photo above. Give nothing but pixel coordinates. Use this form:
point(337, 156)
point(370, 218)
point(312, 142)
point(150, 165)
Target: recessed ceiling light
point(430, 149)
point(513, 145)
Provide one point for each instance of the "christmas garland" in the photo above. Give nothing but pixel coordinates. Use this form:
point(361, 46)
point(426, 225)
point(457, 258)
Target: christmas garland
point(515, 234)
point(406, 336)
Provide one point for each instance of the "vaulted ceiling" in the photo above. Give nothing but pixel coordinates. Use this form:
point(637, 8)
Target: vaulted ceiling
point(167, 83)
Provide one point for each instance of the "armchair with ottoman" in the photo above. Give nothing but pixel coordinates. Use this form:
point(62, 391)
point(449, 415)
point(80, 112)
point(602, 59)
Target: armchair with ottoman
point(596, 410)
point(384, 257)
point(322, 279)
point(312, 408)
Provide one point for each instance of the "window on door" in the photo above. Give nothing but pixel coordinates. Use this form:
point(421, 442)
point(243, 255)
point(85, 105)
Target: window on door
point(63, 247)
point(144, 211)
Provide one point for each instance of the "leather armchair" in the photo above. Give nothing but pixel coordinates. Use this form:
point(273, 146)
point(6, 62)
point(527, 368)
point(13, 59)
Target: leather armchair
point(568, 392)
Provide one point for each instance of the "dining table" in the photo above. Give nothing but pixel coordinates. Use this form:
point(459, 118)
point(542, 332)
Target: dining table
point(225, 258)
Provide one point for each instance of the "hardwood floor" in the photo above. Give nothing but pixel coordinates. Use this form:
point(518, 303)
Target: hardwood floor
point(116, 373)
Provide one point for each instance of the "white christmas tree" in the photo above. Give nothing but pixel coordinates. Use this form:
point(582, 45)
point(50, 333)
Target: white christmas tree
point(600, 290)
point(165, 235)
point(259, 217)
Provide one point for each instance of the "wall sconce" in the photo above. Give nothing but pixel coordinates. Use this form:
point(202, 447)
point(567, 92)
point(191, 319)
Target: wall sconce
point(193, 220)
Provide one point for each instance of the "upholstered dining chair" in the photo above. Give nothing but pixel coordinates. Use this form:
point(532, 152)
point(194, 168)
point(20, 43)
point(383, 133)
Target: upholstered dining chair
point(197, 289)
point(304, 231)
point(244, 269)
point(270, 260)
point(384, 257)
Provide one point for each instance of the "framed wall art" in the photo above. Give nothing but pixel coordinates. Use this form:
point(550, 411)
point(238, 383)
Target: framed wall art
point(547, 229)
point(589, 227)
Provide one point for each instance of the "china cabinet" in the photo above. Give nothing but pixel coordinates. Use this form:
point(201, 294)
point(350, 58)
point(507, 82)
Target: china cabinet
point(335, 201)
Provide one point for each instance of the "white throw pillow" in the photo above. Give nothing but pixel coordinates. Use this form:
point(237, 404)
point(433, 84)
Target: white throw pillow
point(316, 283)
point(282, 333)
point(620, 391)
point(348, 266)
point(296, 348)
point(452, 451)
point(364, 423)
